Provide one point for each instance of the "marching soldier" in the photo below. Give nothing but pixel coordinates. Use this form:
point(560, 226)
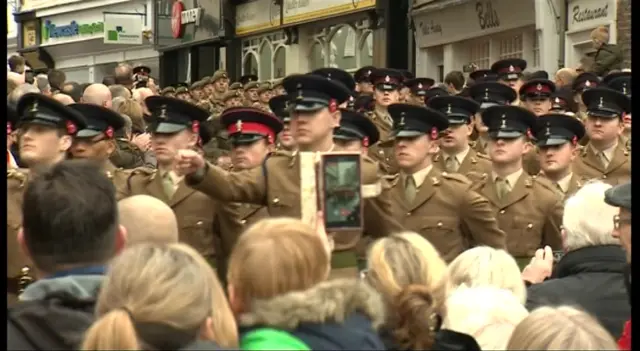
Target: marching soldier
point(387, 84)
point(418, 88)
point(510, 73)
point(264, 95)
point(182, 92)
point(177, 126)
point(488, 94)
point(606, 156)
point(277, 88)
point(562, 102)
point(97, 141)
point(220, 82)
point(232, 98)
point(276, 184)
point(528, 208)
point(47, 129)
point(438, 205)
point(363, 80)
point(251, 93)
point(280, 107)
point(168, 92)
point(197, 90)
point(455, 154)
point(535, 96)
point(557, 138)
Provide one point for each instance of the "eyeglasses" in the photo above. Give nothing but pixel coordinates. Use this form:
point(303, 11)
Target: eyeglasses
point(617, 221)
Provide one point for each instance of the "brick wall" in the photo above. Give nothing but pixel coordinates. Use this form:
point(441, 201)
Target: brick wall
point(624, 30)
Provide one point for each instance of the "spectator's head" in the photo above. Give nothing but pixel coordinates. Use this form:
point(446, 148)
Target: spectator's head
point(160, 297)
point(413, 279)
point(63, 99)
point(70, 218)
point(116, 102)
point(97, 94)
point(17, 64)
point(587, 219)
point(486, 266)
point(125, 132)
point(42, 83)
point(565, 77)
point(73, 89)
point(133, 109)
point(147, 220)
point(140, 95)
point(11, 85)
point(17, 78)
point(600, 36)
point(19, 92)
point(124, 74)
point(119, 91)
point(109, 80)
point(620, 197)
point(454, 82)
point(487, 313)
point(273, 257)
point(560, 328)
point(56, 79)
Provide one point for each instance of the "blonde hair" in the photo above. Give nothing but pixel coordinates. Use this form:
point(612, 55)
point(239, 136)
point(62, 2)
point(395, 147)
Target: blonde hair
point(275, 256)
point(560, 328)
point(166, 286)
point(412, 277)
point(487, 313)
point(486, 266)
point(132, 109)
point(600, 34)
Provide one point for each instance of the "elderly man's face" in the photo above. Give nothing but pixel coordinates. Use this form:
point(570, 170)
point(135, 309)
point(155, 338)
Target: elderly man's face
point(622, 230)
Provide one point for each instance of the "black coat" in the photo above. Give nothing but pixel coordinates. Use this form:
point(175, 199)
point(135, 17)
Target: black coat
point(445, 340)
point(591, 278)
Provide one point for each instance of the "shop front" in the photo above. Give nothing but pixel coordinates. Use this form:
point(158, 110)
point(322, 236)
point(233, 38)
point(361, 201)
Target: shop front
point(583, 16)
point(88, 44)
point(484, 31)
point(188, 34)
point(305, 35)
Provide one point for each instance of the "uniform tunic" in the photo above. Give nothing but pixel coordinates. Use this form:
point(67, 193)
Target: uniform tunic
point(383, 153)
point(468, 161)
point(589, 166)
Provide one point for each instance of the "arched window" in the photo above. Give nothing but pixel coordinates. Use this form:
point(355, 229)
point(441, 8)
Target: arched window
point(250, 64)
point(265, 60)
point(269, 54)
point(280, 62)
point(348, 46)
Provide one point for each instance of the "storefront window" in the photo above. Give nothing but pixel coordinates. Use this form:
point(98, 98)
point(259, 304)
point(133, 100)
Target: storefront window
point(536, 48)
point(265, 56)
point(511, 47)
point(78, 75)
point(480, 53)
point(345, 46)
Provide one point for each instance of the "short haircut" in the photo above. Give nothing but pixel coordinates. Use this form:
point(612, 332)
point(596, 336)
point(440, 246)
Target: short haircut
point(124, 74)
point(109, 80)
point(43, 83)
point(16, 61)
point(587, 219)
point(118, 90)
point(20, 91)
point(56, 79)
point(70, 216)
point(455, 78)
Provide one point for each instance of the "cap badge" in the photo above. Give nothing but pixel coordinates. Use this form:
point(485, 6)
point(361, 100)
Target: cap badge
point(419, 85)
point(601, 103)
point(368, 72)
point(401, 123)
point(387, 79)
point(587, 83)
point(163, 112)
point(624, 89)
point(504, 122)
point(511, 69)
point(299, 97)
point(557, 101)
point(548, 132)
point(329, 76)
point(239, 126)
point(449, 108)
point(539, 87)
point(486, 93)
point(34, 107)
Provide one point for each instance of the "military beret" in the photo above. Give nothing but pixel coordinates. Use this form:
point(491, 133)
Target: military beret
point(219, 74)
point(230, 95)
point(264, 87)
point(619, 196)
point(168, 90)
point(277, 83)
point(251, 85)
point(235, 86)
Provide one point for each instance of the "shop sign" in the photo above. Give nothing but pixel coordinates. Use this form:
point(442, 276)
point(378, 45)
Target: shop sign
point(590, 13)
point(257, 16)
point(297, 11)
point(123, 28)
point(52, 32)
point(181, 17)
point(30, 5)
point(472, 19)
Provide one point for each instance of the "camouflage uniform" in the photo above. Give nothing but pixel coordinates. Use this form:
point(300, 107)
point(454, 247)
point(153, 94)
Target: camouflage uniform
point(219, 74)
point(251, 85)
point(128, 155)
point(264, 88)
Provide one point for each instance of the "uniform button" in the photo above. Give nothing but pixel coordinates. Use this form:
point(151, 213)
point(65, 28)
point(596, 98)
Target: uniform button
point(380, 152)
point(408, 213)
point(604, 176)
point(276, 200)
point(243, 221)
point(502, 211)
point(439, 224)
point(529, 226)
point(199, 223)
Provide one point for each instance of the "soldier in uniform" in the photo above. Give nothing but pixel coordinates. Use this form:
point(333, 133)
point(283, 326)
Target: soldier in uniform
point(418, 90)
point(363, 80)
point(455, 154)
point(236, 86)
point(387, 84)
point(605, 156)
point(405, 91)
point(280, 107)
point(535, 95)
point(264, 95)
point(276, 184)
point(488, 94)
point(438, 205)
point(557, 138)
point(528, 208)
point(47, 128)
point(434, 92)
point(168, 92)
point(510, 73)
point(182, 92)
point(562, 102)
point(220, 81)
point(97, 142)
point(232, 98)
point(277, 89)
point(197, 90)
point(12, 121)
point(622, 82)
point(251, 93)
point(176, 126)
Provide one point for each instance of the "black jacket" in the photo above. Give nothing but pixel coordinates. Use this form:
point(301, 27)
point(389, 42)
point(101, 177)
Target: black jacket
point(591, 278)
point(445, 340)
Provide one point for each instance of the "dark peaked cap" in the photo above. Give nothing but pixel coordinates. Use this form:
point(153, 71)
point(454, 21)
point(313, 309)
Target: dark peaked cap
point(492, 93)
point(362, 74)
point(99, 120)
point(509, 69)
point(508, 122)
point(171, 115)
point(337, 75)
point(386, 79)
point(35, 108)
point(279, 105)
point(249, 124)
point(412, 121)
point(537, 88)
point(621, 84)
point(558, 129)
point(310, 92)
point(585, 80)
point(142, 69)
point(355, 126)
point(419, 86)
point(611, 76)
point(605, 102)
point(12, 117)
point(459, 110)
point(482, 73)
point(619, 196)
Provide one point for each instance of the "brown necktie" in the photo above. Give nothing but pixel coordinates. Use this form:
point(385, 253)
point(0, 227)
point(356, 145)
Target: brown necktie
point(502, 187)
point(451, 164)
point(167, 185)
point(410, 189)
point(603, 159)
point(559, 187)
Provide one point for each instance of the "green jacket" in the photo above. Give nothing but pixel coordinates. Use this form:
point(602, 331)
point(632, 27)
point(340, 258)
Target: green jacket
point(271, 339)
point(607, 58)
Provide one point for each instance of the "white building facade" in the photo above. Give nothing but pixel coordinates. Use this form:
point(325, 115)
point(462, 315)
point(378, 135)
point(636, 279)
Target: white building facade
point(583, 16)
point(450, 34)
point(12, 28)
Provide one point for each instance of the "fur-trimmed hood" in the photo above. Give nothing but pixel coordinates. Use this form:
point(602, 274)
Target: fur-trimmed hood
point(335, 314)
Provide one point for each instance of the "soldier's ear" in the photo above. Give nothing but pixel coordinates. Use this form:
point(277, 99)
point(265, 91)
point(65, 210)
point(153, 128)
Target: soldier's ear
point(121, 239)
point(336, 117)
point(22, 243)
point(235, 302)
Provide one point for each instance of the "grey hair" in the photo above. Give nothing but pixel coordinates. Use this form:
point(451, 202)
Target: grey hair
point(22, 89)
point(42, 82)
point(117, 101)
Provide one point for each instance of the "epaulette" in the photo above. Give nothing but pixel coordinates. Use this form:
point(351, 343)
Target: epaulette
point(475, 177)
point(19, 174)
point(150, 173)
point(482, 155)
point(389, 180)
point(457, 177)
point(545, 182)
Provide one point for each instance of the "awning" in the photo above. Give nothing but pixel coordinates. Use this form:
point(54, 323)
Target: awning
point(436, 5)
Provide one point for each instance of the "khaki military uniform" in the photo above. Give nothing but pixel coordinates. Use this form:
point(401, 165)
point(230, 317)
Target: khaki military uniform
point(530, 214)
point(588, 166)
point(447, 213)
point(531, 161)
point(276, 185)
point(472, 162)
point(127, 155)
point(575, 183)
point(480, 145)
point(383, 150)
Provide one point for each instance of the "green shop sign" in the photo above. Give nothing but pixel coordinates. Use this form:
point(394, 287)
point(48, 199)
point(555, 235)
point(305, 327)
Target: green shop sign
point(74, 29)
